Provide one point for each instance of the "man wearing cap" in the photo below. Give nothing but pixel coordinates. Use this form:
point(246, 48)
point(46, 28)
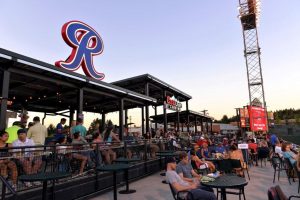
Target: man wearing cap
point(37, 132)
point(12, 131)
point(30, 163)
point(179, 184)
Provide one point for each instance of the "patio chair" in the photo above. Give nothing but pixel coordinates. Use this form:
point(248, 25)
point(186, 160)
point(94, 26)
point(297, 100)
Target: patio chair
point(237, 164)
point(289, 169)
point(275, 193)
point(277, 166)
point(227, 166)
point(180, 195)
point(263, 154)
point(298, 174)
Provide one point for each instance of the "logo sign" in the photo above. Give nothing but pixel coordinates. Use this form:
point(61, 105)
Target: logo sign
point(243, 146)
point(258, 118)
point(173, 104)
point(85, 43)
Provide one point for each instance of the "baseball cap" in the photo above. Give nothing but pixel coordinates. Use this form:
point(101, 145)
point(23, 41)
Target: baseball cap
point(22, 130)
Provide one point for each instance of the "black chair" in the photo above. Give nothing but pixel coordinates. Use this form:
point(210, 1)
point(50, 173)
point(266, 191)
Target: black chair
point(275, 193)
point(277, 166)
point(237, 164)
point(289, 169)
point(227, 166)
point(298, 174)
point(177, 195)
point(263, 154)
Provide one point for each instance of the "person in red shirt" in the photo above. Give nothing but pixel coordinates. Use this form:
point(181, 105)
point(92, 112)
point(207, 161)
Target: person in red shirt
point(252, 146)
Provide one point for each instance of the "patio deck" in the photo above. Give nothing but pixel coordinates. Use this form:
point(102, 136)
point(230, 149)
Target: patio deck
point(151, 188)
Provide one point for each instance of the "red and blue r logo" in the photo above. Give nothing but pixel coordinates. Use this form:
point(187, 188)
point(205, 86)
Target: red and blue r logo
point(86, 43)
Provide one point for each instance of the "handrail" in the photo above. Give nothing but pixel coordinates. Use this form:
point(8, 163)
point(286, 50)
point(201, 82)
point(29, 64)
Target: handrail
point(5, 185)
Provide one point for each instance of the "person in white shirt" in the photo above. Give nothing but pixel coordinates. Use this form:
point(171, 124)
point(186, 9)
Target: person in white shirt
point(278, 149)
point(37, 132)
point(31, 163)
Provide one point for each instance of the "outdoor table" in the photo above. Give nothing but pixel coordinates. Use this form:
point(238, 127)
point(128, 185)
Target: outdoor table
point(114, 168)
point(224, 182)
point(44, 177)
point(127, 161)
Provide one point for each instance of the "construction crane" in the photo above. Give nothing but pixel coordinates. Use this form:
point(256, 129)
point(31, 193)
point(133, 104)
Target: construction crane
point(249, 14)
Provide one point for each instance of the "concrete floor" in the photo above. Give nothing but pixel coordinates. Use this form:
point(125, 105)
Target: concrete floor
point(151, 188)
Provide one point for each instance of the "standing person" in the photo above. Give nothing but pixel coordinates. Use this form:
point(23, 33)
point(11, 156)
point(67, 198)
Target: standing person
point(13, 131)
point(79, 128)
point(178, 184)
point(273, 140)
point(37, 132)
point(60, 128)
point(73, 124)
point(7, 163)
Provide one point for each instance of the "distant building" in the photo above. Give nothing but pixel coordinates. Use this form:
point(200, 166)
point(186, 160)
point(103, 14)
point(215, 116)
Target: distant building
point(224, 128)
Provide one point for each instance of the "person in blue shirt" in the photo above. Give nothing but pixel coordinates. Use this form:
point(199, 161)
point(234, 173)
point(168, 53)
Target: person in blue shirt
point(79, 128)
point(60, 128)
point(273, 141)
point(220, 148)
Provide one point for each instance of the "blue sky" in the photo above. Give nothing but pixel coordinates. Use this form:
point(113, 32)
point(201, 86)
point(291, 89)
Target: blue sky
point(194, 45)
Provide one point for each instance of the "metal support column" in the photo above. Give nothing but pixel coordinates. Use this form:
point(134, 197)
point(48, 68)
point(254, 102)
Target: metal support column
point(188, 116)
point(201, 121)
point(165, 111)
point(121, 119)
point(71, 116)
point(126, 118)
point(143, 120)
point(178, 121)
point(103, 122)
point(4, 95)
point(79, 103)
point(147, 108)
point(155, 114)
point(196, 124)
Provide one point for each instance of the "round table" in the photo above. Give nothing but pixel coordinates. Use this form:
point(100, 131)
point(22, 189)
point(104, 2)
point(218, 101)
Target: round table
point(114, 168)
point(127, 161)
point(44, 177)
point(227, 181)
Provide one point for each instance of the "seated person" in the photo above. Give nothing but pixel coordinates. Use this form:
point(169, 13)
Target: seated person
point(109, 155)
point(287, 153)
point(185, 170)
point(204, 151)
point(202, 164)
point(63, 150)
point(278, 149)
point(235, 153)
point(84, 148)
point(29, 161)
point(5, 161)
point(179, 185)
point(220, 148)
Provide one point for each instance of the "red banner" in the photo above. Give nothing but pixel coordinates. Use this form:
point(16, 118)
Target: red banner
point(258, 119)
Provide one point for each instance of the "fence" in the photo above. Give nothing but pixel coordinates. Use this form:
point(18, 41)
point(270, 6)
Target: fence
point(77, 159)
